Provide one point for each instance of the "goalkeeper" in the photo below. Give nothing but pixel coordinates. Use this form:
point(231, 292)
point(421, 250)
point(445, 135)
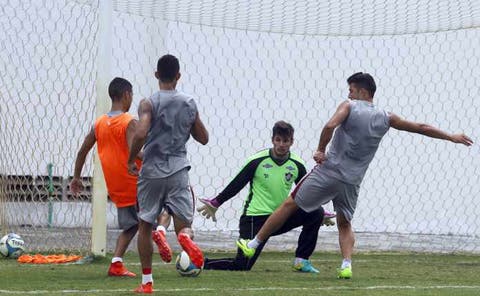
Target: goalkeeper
point(271, 174)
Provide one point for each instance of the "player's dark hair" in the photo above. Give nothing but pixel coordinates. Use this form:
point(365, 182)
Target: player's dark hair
point(282, 129)
point(118, 86)
point(167, 68)
point(363, 80)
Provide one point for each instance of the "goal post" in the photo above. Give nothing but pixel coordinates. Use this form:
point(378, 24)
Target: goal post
point(99, 194)
point(248, 64)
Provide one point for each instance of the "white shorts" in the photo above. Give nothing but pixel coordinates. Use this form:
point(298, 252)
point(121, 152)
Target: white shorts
point(318, 188)
point(172, 192)
point(127, 217)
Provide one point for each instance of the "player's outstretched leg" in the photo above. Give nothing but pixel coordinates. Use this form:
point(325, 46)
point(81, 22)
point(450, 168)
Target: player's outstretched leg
point(160, 239)
point(246, 250)
point(193, 251)
point(273, 223)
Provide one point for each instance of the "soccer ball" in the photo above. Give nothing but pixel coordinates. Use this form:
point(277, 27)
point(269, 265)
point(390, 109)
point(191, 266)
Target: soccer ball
point(12, 245)
point(185, 267)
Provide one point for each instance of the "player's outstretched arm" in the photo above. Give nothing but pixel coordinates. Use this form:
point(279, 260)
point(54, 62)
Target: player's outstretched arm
point(140, 135)
point(245, 176)
point(430, 131)
point(209, 208)
point(76, 184)
point(340, 115)
point(199, 132)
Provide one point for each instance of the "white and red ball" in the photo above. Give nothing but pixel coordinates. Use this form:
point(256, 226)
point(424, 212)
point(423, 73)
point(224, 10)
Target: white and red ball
point(185, 266)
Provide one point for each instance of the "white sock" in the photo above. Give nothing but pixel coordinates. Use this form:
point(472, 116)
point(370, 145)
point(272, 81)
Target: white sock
point(298, 260)
point(147, 278)
point(254, 243)
point(346, 263)
point(117, 259)
point(162, 229)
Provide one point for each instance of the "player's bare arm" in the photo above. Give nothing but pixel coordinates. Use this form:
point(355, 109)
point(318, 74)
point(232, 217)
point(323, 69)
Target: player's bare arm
point(340, 115)
point(131, 128)
point(141, 131)
point(199, 132)
point(430, 131)
point(76, 184)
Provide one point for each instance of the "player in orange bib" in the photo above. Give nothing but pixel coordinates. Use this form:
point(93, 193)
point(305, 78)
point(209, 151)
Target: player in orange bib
point(113, 132)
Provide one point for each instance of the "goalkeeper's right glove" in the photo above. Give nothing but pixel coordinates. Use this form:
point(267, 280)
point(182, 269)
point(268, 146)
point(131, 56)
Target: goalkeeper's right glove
point(328, 218)
point(209, 208)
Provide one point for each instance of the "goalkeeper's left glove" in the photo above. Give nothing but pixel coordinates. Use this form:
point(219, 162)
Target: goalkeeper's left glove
point(209, 208)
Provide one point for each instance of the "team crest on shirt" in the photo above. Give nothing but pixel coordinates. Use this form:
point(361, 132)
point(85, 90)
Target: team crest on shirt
point(288, 177)
point(290, 168)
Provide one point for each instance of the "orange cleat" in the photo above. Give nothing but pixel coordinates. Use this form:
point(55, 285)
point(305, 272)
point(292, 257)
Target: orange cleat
point(118, 269)
point(193, 251)
point(144, 289)
point(163, 247)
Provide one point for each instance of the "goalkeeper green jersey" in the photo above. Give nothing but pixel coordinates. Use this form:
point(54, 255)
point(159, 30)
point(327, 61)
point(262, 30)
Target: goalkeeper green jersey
point(270, 182)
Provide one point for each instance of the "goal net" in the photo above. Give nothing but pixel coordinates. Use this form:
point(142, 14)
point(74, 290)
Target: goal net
point(249, 64)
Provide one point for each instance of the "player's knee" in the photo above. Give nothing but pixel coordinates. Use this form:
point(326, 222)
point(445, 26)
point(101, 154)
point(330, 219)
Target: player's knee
point(144, 226)
point(343, 223)
point(289, 205)
point(290, 201)
point(130, 230)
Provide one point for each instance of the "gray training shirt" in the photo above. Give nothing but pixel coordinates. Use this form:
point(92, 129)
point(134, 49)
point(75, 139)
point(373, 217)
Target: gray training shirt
point(355, 142)
point(173, 115)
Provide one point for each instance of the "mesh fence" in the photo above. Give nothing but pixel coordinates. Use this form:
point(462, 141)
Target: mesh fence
point(47, 60)
point(249, 63)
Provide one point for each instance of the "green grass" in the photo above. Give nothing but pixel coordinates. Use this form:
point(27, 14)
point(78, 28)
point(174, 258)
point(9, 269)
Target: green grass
point(373, 274)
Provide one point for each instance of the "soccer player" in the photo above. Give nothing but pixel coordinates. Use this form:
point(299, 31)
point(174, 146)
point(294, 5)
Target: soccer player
point(359, 127)
point(271, 174)
point(113, 133)
point(166, 121)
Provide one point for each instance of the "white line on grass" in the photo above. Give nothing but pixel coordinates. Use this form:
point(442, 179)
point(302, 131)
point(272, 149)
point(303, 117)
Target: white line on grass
point(159, 263)
point(246, 289)
point(260, 260)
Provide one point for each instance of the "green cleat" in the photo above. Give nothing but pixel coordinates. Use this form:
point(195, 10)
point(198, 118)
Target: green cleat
point(305, 266)
point(344, 273)
point(243, 245)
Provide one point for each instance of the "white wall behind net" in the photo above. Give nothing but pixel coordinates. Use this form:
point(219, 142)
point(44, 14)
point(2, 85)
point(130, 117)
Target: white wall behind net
point(251, 63)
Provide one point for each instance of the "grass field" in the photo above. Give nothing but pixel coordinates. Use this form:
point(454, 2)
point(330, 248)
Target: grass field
point(374, 274)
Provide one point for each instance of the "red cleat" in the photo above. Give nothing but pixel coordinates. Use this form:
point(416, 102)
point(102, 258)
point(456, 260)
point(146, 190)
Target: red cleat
point(163, 247)
point(193, 251)
point(118, 269)
point(144, 289)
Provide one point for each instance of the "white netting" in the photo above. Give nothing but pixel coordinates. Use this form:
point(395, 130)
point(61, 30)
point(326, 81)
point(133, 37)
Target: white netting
point(47, 61)
point(251, 63)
